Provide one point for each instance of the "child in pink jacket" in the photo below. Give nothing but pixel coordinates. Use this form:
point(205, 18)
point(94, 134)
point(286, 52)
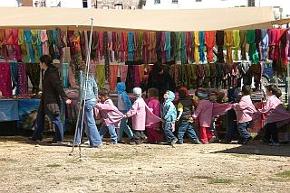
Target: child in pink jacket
point(245, 111)
point(154, 134)
point(203, 114)
point(275, 113)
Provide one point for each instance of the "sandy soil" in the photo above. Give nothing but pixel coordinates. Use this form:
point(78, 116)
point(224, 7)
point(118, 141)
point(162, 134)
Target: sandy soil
point(213, 168)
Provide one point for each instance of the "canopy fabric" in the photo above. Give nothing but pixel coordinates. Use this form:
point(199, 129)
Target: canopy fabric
point(134, 20)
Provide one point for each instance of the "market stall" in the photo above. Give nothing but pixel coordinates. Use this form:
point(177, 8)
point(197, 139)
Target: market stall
point(217, 48)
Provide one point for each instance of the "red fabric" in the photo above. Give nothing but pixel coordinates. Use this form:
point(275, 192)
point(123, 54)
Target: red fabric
point(5, 80)
point(210, 43)
point(205, 134)
point(113, 76)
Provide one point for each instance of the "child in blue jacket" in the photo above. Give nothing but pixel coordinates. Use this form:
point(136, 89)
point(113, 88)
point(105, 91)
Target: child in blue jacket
point(169, 115)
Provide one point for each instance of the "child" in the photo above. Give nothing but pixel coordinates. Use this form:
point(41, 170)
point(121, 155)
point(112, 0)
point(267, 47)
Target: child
point(245, 111)
point(124, 105)
point(153, 132)
point(204, 115)
point(141, 116)
point(169, 115)
point(185, 109)
point(275, 113)
point(110, 114)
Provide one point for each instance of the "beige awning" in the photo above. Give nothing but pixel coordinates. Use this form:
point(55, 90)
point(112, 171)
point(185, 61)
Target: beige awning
point(145, 20)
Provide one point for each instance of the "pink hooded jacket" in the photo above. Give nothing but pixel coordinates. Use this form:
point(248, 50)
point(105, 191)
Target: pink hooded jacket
point(141, 115)
point(245, 109)
point(109, 113)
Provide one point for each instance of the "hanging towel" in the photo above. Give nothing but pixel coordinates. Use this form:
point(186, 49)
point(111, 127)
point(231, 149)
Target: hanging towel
point(210, 43)
point(265, 44)
point(5, 80)
point(220, 44)
point(22, 83)
point(183, 48)
point(196, 47)
point(131, 46)
point(168, 46)
point(100, 75)
point(229, 44)
point(201, 46)
point(253, 54)
point(113, 77)
point(236, 36)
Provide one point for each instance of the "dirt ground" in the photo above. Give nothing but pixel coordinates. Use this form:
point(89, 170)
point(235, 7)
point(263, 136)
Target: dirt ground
point(144, 168)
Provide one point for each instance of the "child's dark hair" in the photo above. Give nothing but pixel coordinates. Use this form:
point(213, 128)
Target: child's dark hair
point(246, 90)
point(46, 59)
point(278, 93)
point(183, 92)
point(104, 92)
point(274, 89)
point(153, 92)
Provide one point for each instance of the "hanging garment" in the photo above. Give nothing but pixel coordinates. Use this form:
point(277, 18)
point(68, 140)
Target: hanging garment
point(44, 41)
point(183, 49)
point(274, 37)
point(236, 44)
point(28, 42)
point(152, 47)
point(193, 76)
point(65, 74)
point(243, 42)
point(196, 47)
point(139, 46)
point(210, 43)
point(110, 47)
point(33, 72)
point(130, 81)
point(158, 47)
point(5, 80)
point(229, 42)
point(131, 46)
point(94, 45)
point(122, 48)
point(106, 56)
point(8, 41)
point(258, 40)
point(219, 74)
point(3, 50)
point(253, 54)
point(168, 46)
point(201, 46)
point(36, 44)
point(188, 43)
point(206, 83)
point(22, 80)
point(100, 75)
point(123, 72)
point(113, 77)
point(220, 44)
point(173, 43)
point(83, 45)
point(178, 46)
point(15, 44)
point(288, 43)
point(72, 78)
point(145, 44)
point(163, 48)
point(265, 44)
point(200, 75)
point(14, 76)
point(21, 43)
point(212, 74)
point(284, 47)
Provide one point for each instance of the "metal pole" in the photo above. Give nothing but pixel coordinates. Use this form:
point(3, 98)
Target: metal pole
point(84, 85)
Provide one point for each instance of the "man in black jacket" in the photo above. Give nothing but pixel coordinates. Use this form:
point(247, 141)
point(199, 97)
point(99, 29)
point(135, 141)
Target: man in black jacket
point(50, 103)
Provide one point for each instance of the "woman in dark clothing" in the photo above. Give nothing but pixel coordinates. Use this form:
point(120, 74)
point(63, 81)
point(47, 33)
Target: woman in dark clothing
point(160, 78)
point(50, 103)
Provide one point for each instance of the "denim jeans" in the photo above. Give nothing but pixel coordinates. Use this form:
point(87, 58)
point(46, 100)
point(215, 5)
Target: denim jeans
point(186, 127)
point(168, 127)
point(112, 130)
point(271, 133)
point(124, 127)
point(243, 130)
point(39, 124)
point(91, 128)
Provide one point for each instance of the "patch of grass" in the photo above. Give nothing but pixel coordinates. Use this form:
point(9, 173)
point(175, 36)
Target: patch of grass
point(53, 165)
point(275, 179)
point(203, 177)
point(284, 175)
point(220, 181)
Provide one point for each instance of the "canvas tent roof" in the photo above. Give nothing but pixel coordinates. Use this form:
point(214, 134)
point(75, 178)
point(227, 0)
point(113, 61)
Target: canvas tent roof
point(145, 20)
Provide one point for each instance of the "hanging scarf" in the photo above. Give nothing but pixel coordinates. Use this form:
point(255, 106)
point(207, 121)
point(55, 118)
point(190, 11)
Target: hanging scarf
point(196, 47)
point(258, 39)
point(183, 48)
point(131, 46)
point(265, 44)
point(201, 46)
point(236, 36)
point(220, 44)
point(210, 43)
point(168, 46)
point(229, 44)
point(253, 54)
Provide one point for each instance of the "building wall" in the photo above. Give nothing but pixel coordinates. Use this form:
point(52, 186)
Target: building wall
point(8, 3)
point(203, 4)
